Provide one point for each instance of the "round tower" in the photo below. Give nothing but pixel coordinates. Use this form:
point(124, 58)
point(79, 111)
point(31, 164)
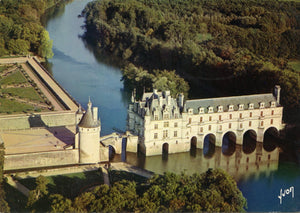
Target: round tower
point(89, 136)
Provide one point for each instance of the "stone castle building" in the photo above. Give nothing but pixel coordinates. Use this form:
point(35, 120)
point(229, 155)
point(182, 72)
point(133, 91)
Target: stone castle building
point(166, 124)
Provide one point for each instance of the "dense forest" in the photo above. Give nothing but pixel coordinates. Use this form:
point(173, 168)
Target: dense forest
point(211, 191)
point(3, 204)
point(213, 47)
point(21, 31)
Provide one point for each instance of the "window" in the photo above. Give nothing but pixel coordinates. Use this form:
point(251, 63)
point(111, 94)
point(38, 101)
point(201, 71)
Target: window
point(271, 121)
point(241, 126)
point(251, 106)
point(166, 124)
point(190, 111)
point(273, 104)
point(250, 123)
point(166, 116)
point(209, 118)
point(241, 115)
point(230, 108)
point(250, 114)
point(262, 105)
point(230, 116)
point(201, 129)
point(220, 109)
point(229, 125)
point(272, 112)
point(209, 127)
point(190, 120)
point(261, 113)
point(175, 133)
point(241, 106)
point(175, 124)
point(220, 128)
point(201, 110)
point(210, 109)
point(201, 119)
point(156, 117)
point(262, 123)
point(155, 135)
point(165, 133)
point(176, 115)
point(220, 117)
point(155, 126)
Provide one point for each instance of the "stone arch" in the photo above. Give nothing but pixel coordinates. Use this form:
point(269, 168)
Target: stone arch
point(112, 152)
point(228, 143)
point(194, 142)
point(270, 137)
point(249, 141)
point(209, 145)
point(165, 148)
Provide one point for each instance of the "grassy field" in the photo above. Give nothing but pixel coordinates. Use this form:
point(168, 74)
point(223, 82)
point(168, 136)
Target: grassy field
point(14, 78)
point(27, 93)
point(70, 185)
point(12, 106)
point(295, 64)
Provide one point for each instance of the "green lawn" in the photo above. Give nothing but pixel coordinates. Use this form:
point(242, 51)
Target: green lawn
point(15, 78)
point(295, 64)
point(27, 92)
point(12, 106)
point(70, 185)
point(15, 199)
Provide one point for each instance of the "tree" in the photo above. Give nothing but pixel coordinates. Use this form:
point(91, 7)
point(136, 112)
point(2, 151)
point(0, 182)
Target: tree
point(45, 49)
point(37, 198)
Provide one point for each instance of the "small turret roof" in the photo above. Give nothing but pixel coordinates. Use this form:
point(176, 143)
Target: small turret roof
point(87, 120)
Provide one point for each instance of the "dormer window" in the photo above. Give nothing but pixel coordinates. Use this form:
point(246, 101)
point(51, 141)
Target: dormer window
point(273, 104)
point(210, 109)
point(201, 110)
point(262, 105)
point(241, 106)
point(251, 106)
point(190, 111)
point(230, 108)
point(220, 108)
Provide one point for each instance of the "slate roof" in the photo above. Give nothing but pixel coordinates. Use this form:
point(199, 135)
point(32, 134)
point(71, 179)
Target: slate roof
point(87, 120)
point(233, 100)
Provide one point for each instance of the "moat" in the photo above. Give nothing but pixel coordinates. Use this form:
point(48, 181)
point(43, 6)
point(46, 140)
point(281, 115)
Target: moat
point(83, 73)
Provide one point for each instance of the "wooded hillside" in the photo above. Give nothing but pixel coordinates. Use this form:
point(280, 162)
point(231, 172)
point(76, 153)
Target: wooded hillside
point(234, 46)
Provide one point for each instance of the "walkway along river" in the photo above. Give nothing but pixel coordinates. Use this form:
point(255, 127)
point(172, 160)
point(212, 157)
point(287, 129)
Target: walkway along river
point(84, 74)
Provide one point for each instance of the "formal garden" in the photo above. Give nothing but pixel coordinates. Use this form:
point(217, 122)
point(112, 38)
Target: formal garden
point(19, 93)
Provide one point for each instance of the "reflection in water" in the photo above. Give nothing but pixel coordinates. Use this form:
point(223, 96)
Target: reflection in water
point(239, 164)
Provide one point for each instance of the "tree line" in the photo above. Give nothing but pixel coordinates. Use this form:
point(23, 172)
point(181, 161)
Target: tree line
point(201, 42)
point(21, 31)
point(214, 190)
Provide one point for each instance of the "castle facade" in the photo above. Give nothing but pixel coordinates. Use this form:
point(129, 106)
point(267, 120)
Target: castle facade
point(166, 124)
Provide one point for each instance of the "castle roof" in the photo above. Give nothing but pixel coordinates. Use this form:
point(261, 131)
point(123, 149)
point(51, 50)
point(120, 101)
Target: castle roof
point(234, 100)
point(87, 120)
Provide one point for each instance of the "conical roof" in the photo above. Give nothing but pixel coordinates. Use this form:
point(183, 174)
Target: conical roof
point(87, 120)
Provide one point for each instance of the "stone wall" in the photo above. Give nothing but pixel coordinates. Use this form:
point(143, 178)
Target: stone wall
point(41, 159)
point(51, 119)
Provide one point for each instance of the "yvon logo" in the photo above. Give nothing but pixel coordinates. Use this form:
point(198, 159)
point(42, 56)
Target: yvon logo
point(285, 192)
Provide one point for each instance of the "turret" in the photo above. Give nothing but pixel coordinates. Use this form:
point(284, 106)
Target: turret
point(89, 136)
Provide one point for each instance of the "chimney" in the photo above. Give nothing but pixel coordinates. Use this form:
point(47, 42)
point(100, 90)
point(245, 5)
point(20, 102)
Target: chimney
point(95, 114)
point(277, 93)
point(180, 100)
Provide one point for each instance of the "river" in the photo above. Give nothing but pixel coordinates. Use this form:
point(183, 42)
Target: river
point(85, 74)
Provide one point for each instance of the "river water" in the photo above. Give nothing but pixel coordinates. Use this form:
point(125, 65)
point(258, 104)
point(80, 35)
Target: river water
point(85, 74)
